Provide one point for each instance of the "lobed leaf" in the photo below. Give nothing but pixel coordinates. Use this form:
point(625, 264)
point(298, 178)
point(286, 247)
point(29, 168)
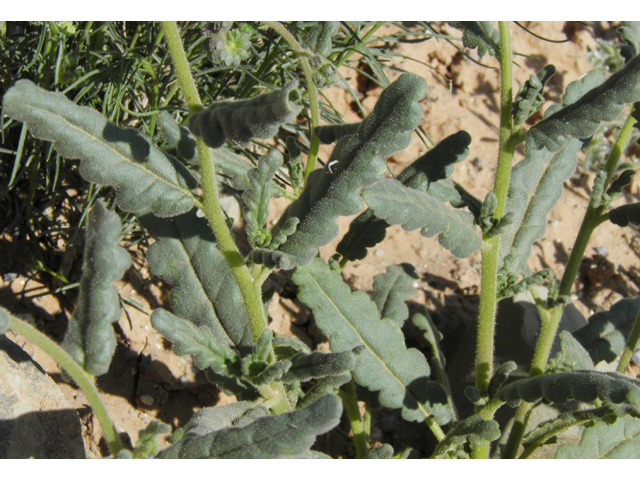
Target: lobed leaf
point(535, 188)
point(350, 319)
point(481, 35)
point(177, 136)
point(145, 178)
point(581, 385)
point(324, 386)
point(237, 121)
point(332, 133)
point(190, 339)
point(475, 429)
point(581, 118)
point(307, 366)
point(240, 433)
point(257, 196)
point(392, 289)
point(630, 33)
point(90, 338)
point(204, 291)
point(381, 452)
point(356, 162)
point(320, 38)
point(572, 355)
point(625, 214)
point(428, 171)
point(529, 98)
point(399, 205)
point(620, 440)
point(605, 336)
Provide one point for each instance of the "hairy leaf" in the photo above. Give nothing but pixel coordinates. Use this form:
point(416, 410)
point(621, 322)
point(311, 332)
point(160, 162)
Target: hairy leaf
point(428, 171)
point(204, 290)
point(381, 452)
point(399, 205)
point(177, 136)
point(306, 366)
point(4, 320)
point(625, 214)
point(529, 98)
point(356, 161)
point(605, 336)
point(319, 40)
point(580, 119)
point(239, 121)
point(294, 164)
point(572, 356)
point(190, 339)
point(392, 289)
point(608, 414)
point(620, 440)
point(581, 385)
point(500, 376)
point(535, 188)
point(474, 429)
point(481, 35)
point(257, 196)
point(332, 133)
point(323, 387)
point(90, 338)
point(145, 178)
point(630, 33)
point(279, 436)
point(350, 319)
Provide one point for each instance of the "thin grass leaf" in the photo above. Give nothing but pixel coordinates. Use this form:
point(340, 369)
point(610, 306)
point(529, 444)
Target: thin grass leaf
point(145, 178)
point(90, 338)
point(399, 375)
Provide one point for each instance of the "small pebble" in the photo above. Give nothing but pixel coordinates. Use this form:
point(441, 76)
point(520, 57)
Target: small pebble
point(378, 253)
point(147, 400)
point(555, 223)
point(10, 277)
point(602, 251)
point(77, 398)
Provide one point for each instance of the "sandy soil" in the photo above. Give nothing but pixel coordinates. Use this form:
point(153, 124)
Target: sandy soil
point(147, 380)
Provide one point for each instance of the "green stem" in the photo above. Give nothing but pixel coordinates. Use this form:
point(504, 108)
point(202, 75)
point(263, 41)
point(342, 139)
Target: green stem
point(311, 89)
point(632, 344)
point(551, 317)
point(84, 380)
point(251, 295)
point(488, 302)
point(360, 433)
point(488, 296)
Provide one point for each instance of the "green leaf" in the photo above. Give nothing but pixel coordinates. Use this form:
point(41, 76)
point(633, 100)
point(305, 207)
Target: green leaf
point(177, 136)
point(294, 164)
point(319, 40)
point(500, 376)
point(630, 33)
point(238, 434)
point(481, 35)
point(572, 356)
point(381, 452)
point(4, 320)
point(536, 186)
point(145, 178)
point(257, 196)
point(475, 429)
point(582, 385)
point(350, 319)
point(332, 133)
point(90, 338)
point(605, 336)
point(580, 119)
point(620, 440)
point(392, 289)
point(148, 439)
point(307, 366)
point(428, 171)
point(625, 214)
point(323, 387)
point(399, 205)
point(607, 414)
point(356, 162)
point(530, 97)
point(204, 291)
point(190, 339)
point(240, 120)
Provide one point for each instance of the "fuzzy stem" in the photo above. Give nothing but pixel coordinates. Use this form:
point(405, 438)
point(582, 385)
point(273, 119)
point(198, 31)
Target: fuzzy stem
point(488, 302)
point(311, 89)
point(632, 344)
point(488, 296)
point(84, 380)
point(360, 433)
point(251, 293)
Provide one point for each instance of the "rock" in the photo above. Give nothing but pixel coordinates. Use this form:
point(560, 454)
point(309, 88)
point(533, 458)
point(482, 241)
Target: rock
point(36, 420)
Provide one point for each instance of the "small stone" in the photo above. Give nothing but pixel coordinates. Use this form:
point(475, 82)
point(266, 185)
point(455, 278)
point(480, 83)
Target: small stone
point(602, 251)
point(378, 253)
point(77, 398)
point(147, 400)
point(555, 223)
